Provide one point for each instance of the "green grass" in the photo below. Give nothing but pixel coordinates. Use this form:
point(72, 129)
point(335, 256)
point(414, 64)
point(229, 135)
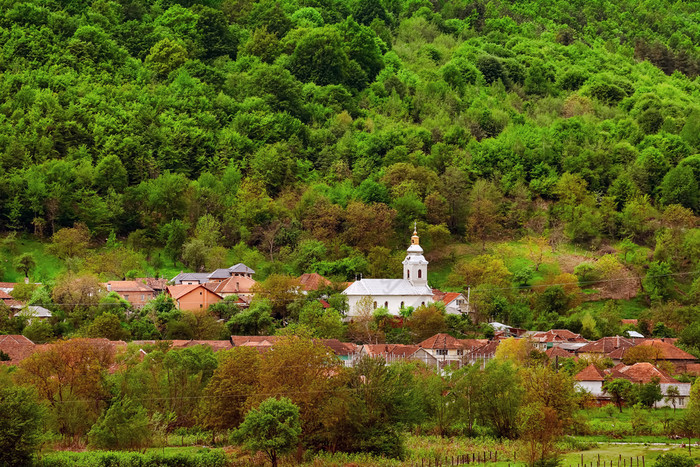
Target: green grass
point(47, 267)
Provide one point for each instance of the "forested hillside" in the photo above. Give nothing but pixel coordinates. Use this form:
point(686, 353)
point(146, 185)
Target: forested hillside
point(304, 136)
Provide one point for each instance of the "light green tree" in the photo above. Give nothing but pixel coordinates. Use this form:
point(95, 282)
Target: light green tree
point(272, 428)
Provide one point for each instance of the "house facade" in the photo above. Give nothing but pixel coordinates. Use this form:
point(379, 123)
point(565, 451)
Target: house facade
point(135, 292)
point(394, 294)
point(193, 297)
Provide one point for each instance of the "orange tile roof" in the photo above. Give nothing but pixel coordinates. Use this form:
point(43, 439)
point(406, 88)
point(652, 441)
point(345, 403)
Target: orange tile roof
point(128, 286)
point(441, 341)
point(7, 285)
point(668, 350)
point(693, 368)
point(313, 281)
point(590, 373)
point(178, 291)
point(5, 296)
point(17, 347)
point(153, 282)
point(232, 285)
point(644, 372)
point(445, 297)
point(397, 350)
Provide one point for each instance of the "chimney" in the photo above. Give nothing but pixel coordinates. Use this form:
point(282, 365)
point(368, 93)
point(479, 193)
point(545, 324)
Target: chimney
point(109, 287)
point(618, 342)
point(238, 288)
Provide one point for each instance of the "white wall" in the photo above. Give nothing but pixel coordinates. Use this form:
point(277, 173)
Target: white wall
point(593, 387)
point(394, 302)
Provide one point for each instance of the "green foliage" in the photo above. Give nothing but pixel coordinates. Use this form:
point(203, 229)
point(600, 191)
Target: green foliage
point(21, 422)
point(674, 460)
point(124, 425)
point(204, 457)
point(273, 428)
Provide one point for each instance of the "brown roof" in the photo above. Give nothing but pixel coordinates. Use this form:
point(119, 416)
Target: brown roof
point(179, 291)
point(555, 352)
point(486, 349)
point(339, 348)
point(154, 283)
point(693, 368)
point(667, 350)
point(633, 322)
point(232, 285)
point(444, 297)
point(558, 335)
point(5, 296)
point(253, 340)
point(471, 344)
point(644, 372)
point(441, 341)
point(396, 350)
point(17, 347)
point(7, 285)
point(215, 345)
point(590, 373)
point(313, 281)
point(606, 345)
point(128, 286)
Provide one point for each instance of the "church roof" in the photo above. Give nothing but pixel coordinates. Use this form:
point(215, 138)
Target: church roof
point(379, 287)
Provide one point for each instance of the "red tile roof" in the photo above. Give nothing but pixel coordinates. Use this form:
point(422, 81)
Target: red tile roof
point(471, 344)
point(154, 283)
point(488, 349)
point(446, 297)
point(7, 285)
point(606, 345)
point(5, 296)
point(590, 373)
point(339, 348)
point(17, 347)
point(644, 372)
point(667, 350)
point(313, 281)
point(441, 341)
point(253, 340)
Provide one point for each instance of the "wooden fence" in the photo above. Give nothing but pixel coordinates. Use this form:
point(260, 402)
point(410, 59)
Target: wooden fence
point(489, 457)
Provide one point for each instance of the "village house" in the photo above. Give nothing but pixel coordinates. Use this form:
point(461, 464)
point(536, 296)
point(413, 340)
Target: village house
point(483, 354)
point(239, 270)
point(312, 281)
point(591, 379)
point(557, 338)
point(135, 292)
point(193, 297)
point(394, 294)
point(241, 286)
point(607, 347)
point(444, 348)
point(455, 303)
point(662, 350)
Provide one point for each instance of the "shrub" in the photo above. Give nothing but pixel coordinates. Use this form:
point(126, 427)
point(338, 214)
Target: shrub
point(674, 460)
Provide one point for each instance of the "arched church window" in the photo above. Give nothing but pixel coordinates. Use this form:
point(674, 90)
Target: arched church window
point(401, 304)
point(386, 304)
point(420, 273)
point(422, 303)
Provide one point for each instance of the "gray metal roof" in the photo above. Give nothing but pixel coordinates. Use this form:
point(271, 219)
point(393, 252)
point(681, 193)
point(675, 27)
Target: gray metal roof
point(202, 277)
point(240, 267)
point(220, 274)
point(35, 311)
point(377, 287)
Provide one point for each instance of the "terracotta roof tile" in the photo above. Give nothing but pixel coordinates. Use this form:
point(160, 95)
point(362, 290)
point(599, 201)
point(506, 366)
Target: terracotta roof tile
point(154, 283)
point(252, 340)
point(441, 341)
point(17, 347)
point(128, 286)
point(471, 344)
point(590, 373)
point(5, 296)
point(668, 350)
point(606, 345)
point(232, 285)
point(215, 345)
point(555, 352)
point(313, 281)
point(339, 348)
point(644, 372)
point(557, 335)
point(488, 349)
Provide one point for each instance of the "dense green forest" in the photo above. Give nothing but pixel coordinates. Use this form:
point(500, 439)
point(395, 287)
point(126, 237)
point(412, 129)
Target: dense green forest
point(298, 136)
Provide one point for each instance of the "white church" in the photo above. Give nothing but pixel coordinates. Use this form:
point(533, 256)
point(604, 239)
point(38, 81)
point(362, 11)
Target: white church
point(394, 294)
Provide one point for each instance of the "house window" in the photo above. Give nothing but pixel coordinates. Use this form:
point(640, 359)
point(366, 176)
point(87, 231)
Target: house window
point(401, 304)
point(143, 297)
point(441, 352)
point(201, 306)
point(200, 293)
point(375, 305)
point(460, 352)
point(420, 273)
point(408, 274)
point(126, 297)
point(386, 304)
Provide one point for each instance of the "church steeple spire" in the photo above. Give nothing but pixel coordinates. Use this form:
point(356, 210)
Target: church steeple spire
point(415, 266)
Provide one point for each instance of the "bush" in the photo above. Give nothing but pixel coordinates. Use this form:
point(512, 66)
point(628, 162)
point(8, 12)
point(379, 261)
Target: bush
point(201, 458)
point(674, 460)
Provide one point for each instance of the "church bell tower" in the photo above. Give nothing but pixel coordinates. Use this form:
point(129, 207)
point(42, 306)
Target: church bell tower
point(415, 266)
